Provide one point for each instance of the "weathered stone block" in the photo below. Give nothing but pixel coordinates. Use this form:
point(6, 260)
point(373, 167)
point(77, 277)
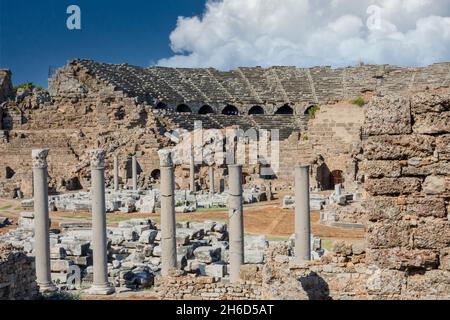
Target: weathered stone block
point(75, 248)
point(378, 208)
point(443, 147)
point(207, 254)
point(432, 123)
point(389, 235)
point(436, 185)
point(215, 270)
point(432, 234)
point(403, 259)
point(425, 207)
point(444, 257)
point(429, 285)
point(391, 186)
point(381, 169)
point(439, 168)
point(148, 236)
point(385, 282)
point(388, 115)
point(399, 147)
point(59, 265)
point(426, 102)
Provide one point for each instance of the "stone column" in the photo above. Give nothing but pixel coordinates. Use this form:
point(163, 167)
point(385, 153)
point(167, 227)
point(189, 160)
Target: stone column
point(41, 221)
point(100, 285)
point(168, 227)
point(211, 180)
point(302, 215)
point(134, 172)
point(116, 173)
point(236, 221)
point(337, 190)
point(192, 171)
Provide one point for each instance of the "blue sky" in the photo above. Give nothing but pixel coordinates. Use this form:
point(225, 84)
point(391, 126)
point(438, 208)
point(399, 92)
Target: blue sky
point(223, 33)
point(34, 36)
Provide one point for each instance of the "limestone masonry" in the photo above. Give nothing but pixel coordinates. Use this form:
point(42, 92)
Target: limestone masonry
point(99, 139)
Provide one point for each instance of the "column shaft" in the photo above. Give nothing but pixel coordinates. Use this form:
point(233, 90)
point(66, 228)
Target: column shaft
point(99, 240)
point(168, 227)
point(134, 172)
point(211, 180)
point(236, 221)
point(41, 221)
point(302, 214)
point(192, 172)
point(116, 173)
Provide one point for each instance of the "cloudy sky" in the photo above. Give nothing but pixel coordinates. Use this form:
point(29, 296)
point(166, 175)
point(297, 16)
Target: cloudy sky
point(232, 33)
point(34, 38)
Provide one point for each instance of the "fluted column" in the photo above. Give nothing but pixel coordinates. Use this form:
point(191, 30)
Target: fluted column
point(116, 173)
point(302, 215)
point(41, 221)
point(100, 284)
point(168, 227)
point(236, 221)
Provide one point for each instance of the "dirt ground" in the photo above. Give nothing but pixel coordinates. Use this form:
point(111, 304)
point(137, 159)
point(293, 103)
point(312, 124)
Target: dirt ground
point(259, 219)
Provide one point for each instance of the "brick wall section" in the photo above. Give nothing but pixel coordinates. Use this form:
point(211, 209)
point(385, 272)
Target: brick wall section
point(17, 275)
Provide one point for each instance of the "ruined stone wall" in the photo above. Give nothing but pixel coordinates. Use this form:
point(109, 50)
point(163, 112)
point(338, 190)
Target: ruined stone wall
point(206, 288)
point(329, 144)
point(407, 172)
point(83, 114)
point(17, 275)
point(6, 88)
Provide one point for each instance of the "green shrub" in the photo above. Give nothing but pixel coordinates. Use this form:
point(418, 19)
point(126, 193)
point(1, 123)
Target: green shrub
point(26, 85)
point(359, 101)
point(312, 111)
point(305, 138)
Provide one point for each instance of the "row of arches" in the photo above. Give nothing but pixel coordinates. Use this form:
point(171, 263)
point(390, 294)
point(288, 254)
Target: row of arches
point(229, 110)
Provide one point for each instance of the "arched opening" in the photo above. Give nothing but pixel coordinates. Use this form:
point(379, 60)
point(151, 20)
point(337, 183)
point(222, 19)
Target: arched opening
point(182, 108)
point(230, 110)
point(161, 105)
point(156, 174)
point(9, 173)
point(323, 177)
point(206, 110)
point(286, 109)
point(336, 177)
point(311, 111)
point(256, 110)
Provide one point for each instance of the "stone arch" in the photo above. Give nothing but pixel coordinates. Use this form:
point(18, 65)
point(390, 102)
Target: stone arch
point(230, 110)
point(206, 109)
point(285, 110)
point(256, 110)
point(183, 108)
point(156, 174)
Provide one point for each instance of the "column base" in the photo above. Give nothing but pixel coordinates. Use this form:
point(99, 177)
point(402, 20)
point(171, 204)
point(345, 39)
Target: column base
point(103, 290)
point(46, 288)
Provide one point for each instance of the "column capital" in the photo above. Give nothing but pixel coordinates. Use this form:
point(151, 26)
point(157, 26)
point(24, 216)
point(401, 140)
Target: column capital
point(97, 158)
point(165, 158)
point(39, 158)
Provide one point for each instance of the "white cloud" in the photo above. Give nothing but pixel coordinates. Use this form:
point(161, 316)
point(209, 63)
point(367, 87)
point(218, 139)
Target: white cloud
point(234, 33)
